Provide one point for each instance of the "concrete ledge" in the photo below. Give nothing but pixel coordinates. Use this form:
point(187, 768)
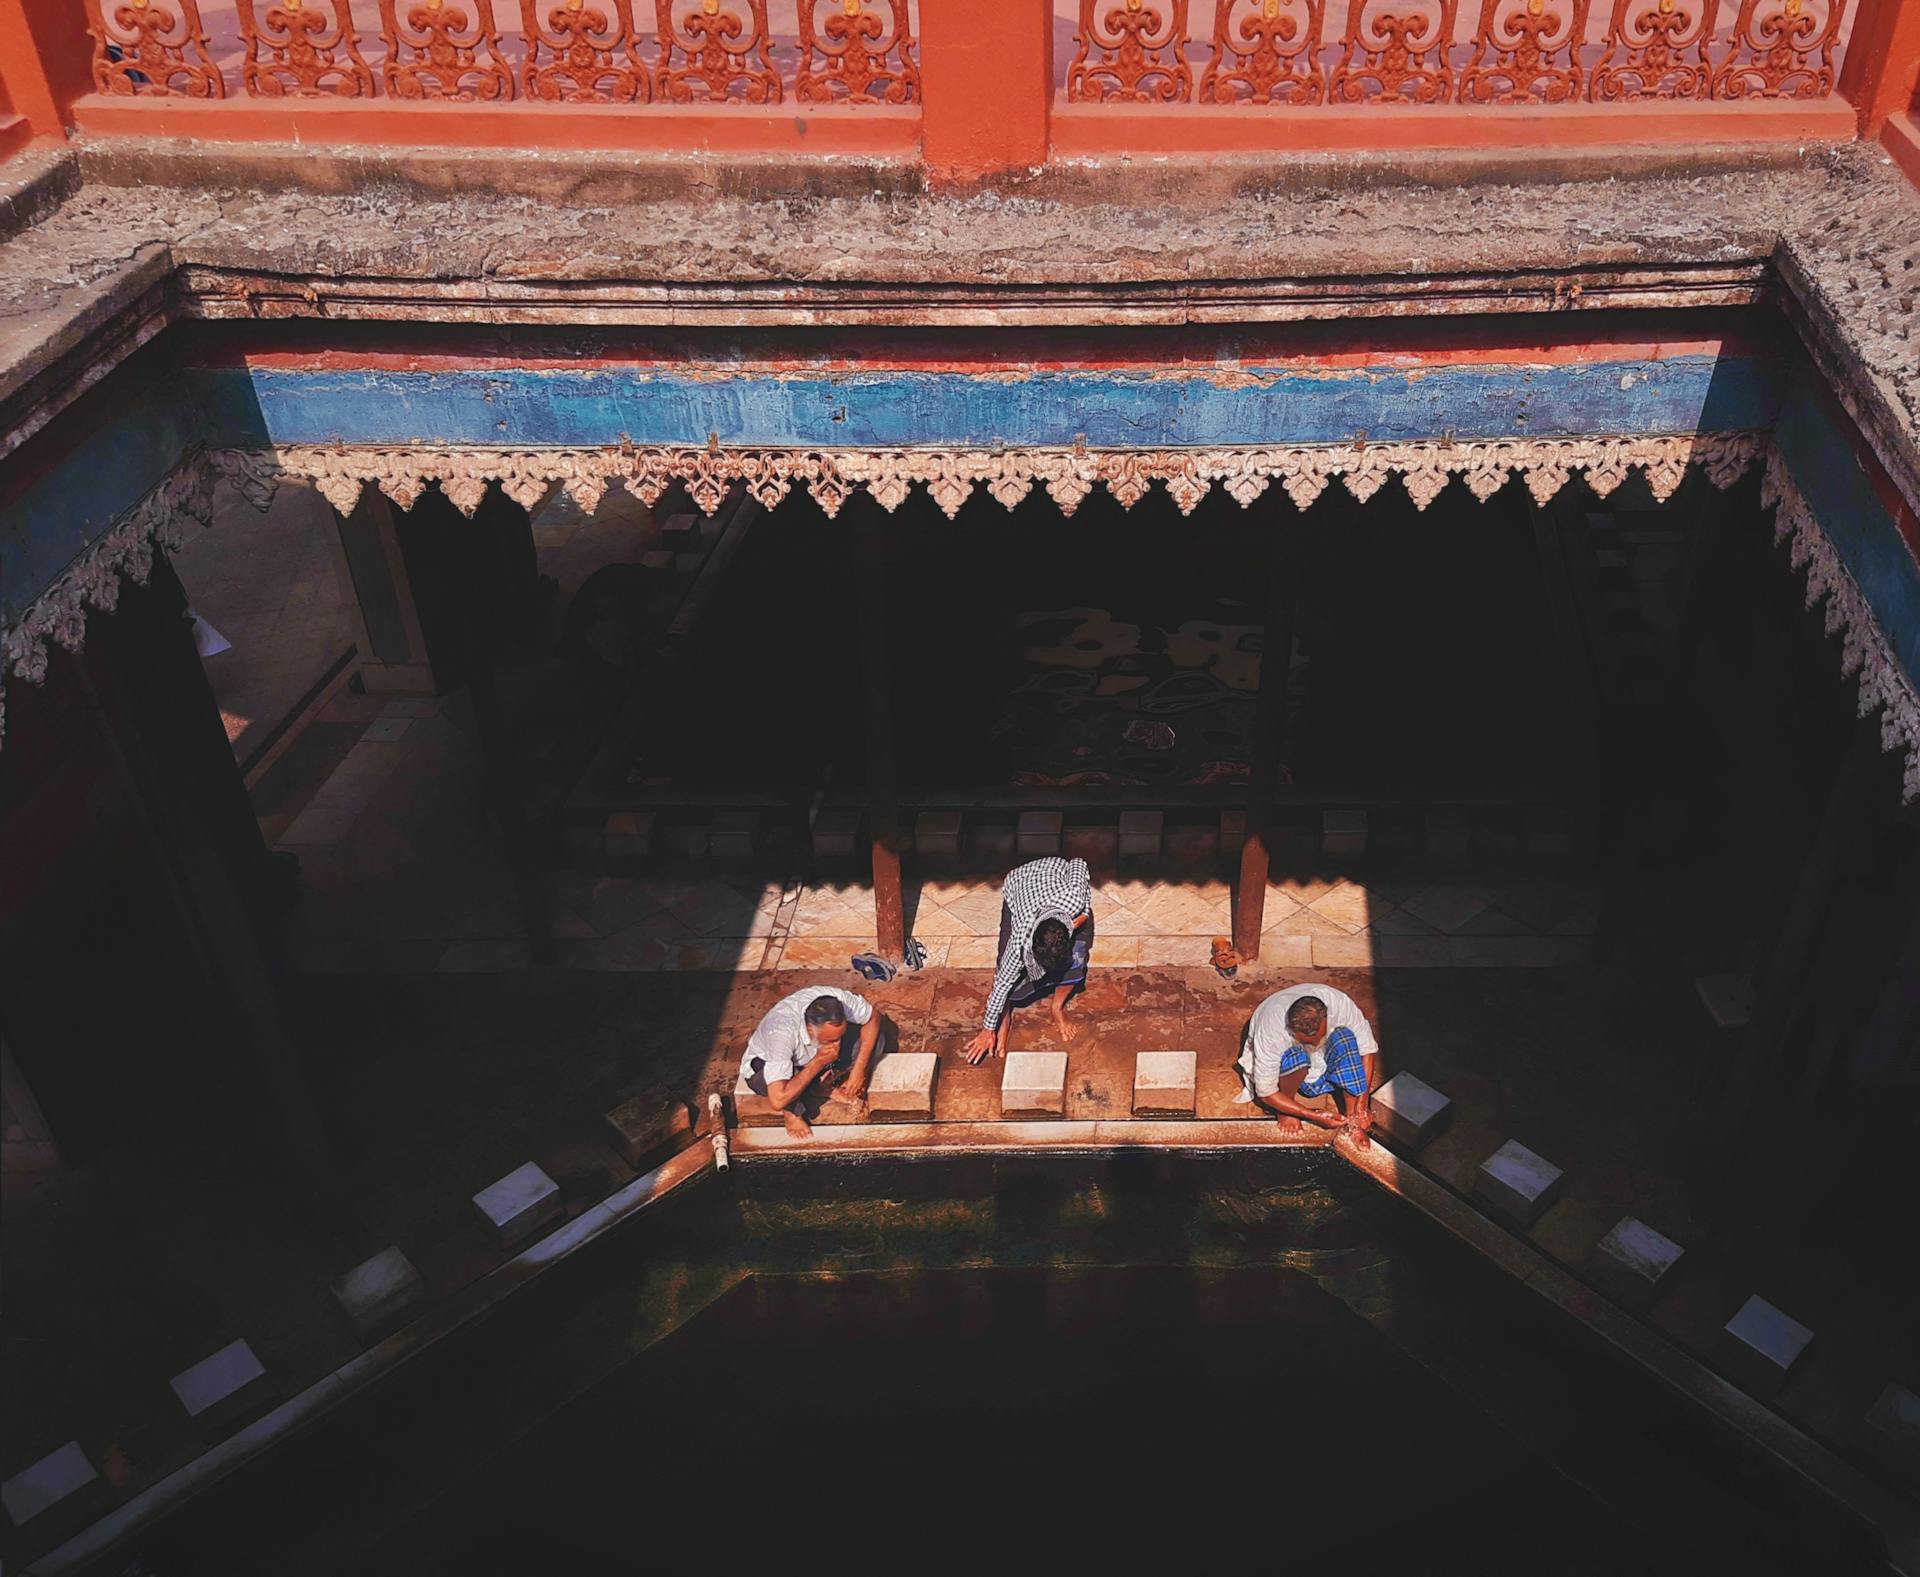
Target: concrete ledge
point(951, 1140)
point(1893, 1425)
point(1140, 833)
point(937, 832)
point(1038, 833)
point(1164, 1083)
point(1034, 1084)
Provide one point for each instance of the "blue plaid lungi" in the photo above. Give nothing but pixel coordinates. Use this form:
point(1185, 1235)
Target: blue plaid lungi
point(1346, 1068)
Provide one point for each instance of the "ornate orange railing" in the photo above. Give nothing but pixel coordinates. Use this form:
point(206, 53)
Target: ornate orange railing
point(686, 52)
point(1279, 52)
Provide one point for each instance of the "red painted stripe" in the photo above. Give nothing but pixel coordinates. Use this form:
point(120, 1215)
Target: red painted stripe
point(1506, 340)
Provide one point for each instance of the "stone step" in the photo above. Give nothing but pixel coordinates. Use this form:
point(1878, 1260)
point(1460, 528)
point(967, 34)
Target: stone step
point(1517, 1183)
point(519, 1204)
point(1034, 1084)
point(1760, 1345)
point(646, 1127)
point(902, 1086)
point(1631, 1261)
point(1409, 1110)
point(219, 1389)
point(380, 1294)
point(1164, 1083)
point(56, 1477)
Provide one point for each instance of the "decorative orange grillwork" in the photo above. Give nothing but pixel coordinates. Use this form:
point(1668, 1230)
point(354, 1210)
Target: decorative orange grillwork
point(708, 49)
point(438, 49)
point(1395, 51)
point(1265, 52)
point(856, 53)
point(1656, 51)
point(149, 49)
point(1131, 51)
point(1526, 52)
point(1782, 49)
point(580, 53)
point(296, 51)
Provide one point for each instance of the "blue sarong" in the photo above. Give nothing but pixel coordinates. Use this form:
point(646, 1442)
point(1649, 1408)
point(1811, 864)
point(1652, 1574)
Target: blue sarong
point(1346, 1068)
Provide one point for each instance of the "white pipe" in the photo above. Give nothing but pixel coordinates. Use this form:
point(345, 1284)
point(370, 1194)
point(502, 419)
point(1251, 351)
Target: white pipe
point(716, 1109)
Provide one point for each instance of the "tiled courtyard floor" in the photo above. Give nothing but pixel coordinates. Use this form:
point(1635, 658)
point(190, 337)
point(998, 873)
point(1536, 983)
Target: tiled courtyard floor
point(122, 1273)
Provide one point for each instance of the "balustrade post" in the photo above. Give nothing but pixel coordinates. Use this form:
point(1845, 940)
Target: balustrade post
point(986, 74)
point(1881, 77)
point(45, 61)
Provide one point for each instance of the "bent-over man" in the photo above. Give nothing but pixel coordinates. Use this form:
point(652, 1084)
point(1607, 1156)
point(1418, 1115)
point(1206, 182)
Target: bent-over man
point(1311, 1040)
point(1046, 938)
point(799, 1052)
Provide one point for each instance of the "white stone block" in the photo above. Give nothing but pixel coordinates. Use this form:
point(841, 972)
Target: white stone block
point(232, 1379)
point(1761, 1344)
point(1728, 999)
point(1034, 1084)
point(1631, 1260)
point(1449, 834)
point(1410, 1111)
point(751, 1110)
point(732, 834)
point(1039, 832)
point(902, 1085)
point(379, 1295)
point(937, 832)
point(835, 832)
point(1140, 832)
point(1343, 833)
point(48, 1482)
point(1164, 1083)
point(1894, 1422)
point(1518, 1183)
point(519, 1204)
point(651, 1122)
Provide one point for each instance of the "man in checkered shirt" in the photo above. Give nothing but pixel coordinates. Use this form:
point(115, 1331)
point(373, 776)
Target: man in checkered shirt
point(1311, 1040)
point(1046, 938)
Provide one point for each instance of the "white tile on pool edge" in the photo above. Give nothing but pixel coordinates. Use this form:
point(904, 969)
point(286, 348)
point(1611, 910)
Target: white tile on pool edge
point(379, 1293)
point(1410, 1109)
point(1034, 1082)
point(217, 1379)
point(902, 1085)
point(1518, 1182)
point(48, 1482)
point(1632, 1259)
point(1773, 1337)
point(519, 1202)
point(1164, 1082)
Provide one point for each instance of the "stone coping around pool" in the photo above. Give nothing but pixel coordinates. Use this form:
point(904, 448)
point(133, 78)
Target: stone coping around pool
point(943, 1140)
point(98, 1539)
point(1898, 1521)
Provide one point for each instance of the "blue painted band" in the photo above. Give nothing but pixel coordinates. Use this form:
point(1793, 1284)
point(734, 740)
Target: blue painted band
point(1103, 409)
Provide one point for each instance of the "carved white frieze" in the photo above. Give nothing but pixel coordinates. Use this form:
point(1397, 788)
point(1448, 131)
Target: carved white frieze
point(950, 477)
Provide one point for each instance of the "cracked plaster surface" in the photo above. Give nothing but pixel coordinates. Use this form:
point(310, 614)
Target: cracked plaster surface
point(1840, 222)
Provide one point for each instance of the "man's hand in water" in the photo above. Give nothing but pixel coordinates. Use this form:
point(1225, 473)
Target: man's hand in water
point(981, 1044)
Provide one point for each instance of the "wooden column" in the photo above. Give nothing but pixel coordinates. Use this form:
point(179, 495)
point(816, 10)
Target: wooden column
point(168, 743)
point(394, 653)
point(876, 682)
point(490, 596)
point(1250, 897)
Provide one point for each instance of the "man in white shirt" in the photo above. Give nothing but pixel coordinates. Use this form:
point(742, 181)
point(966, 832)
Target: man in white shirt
point(1312, 1040)
point(799, 1052)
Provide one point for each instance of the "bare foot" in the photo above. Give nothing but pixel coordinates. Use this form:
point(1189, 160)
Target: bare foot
point(1067, 1031)
point(798, 1126)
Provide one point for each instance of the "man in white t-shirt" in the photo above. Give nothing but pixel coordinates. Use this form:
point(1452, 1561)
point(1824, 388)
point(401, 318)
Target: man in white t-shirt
point(1312, 1040)
point(799, 1052)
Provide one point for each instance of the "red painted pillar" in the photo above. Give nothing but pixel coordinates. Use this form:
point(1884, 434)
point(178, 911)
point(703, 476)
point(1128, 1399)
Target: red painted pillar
point(986, 74)
point(1882, 75)
point(46, 61)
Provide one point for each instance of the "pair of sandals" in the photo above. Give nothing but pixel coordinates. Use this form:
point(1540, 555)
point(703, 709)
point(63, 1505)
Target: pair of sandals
point(871, 966)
